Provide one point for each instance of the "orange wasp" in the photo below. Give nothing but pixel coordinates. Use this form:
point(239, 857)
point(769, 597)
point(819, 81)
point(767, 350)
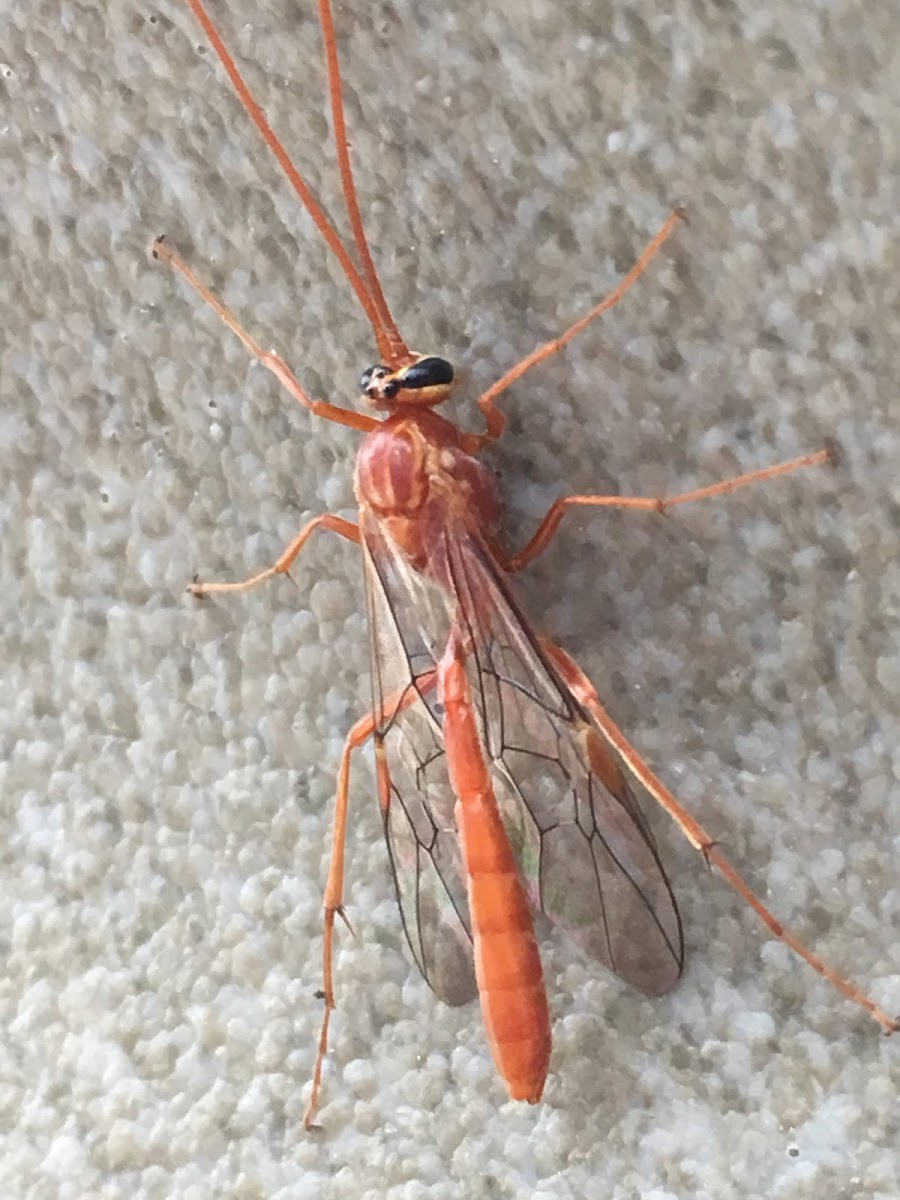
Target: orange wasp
point(500, 775)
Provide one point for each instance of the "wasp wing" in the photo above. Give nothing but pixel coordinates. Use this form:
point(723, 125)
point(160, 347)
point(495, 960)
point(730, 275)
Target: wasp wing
point(584, 849)
point(418, 811)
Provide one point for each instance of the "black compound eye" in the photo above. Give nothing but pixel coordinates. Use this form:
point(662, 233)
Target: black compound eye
point(426, 382)
point(427, 373)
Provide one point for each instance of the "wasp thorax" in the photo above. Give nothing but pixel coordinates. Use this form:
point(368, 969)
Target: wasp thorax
point(420, 384)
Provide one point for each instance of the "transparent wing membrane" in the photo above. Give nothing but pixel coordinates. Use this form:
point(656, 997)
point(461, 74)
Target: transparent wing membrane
point(585, 853)
point(426, 856)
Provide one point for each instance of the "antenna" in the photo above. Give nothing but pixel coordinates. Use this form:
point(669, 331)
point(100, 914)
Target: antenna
point(368, 290)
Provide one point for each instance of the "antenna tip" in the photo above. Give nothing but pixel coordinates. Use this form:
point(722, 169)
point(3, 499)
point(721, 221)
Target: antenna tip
point(834, 451)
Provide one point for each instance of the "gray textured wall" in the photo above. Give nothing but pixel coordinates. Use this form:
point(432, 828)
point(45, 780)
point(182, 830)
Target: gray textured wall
point(169, 768)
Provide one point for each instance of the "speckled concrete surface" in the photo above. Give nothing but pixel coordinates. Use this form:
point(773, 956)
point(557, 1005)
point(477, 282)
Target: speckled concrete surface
point(168, 768)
